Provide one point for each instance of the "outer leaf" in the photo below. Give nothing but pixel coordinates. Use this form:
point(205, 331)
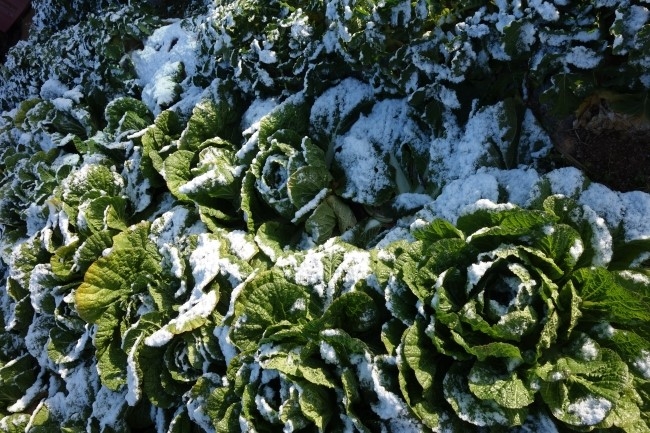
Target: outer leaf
point(177, 172)
point(473, 410)
point(267, 299)
point(209, 119)
point(506, 389)
point(316, 404)
point(305, 183)
point(604, 298)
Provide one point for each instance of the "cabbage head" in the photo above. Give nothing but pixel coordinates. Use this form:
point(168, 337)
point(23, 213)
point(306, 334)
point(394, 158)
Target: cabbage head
point(505, 320)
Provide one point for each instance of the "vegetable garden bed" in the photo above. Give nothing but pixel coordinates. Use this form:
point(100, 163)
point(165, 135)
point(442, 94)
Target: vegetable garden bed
point(341, 216)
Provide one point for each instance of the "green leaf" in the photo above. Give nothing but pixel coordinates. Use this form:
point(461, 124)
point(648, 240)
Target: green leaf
point(127, 113)
point(305, 183)
point(111, 359)
point(292, 114)
point(16, 376)
point(503, 226)
point(167, 127)
point(475, 410)
point(109, 286)
point(15, 423)
point(63, 344)
point(209, 119)
point(320, 225)
point(92, 181)
point(561, 96)
point(634, 104)
point(92, 248)
point(42, 421)
point(354, 312)
point(438, 229)
point(272, 238)
point(505, 388)
point(583, 393)
point(605, 298)
point(177, 168)
point(104, 213)
point(316, 404)
point(62, 262)
point(419, 355)
point(268, 299)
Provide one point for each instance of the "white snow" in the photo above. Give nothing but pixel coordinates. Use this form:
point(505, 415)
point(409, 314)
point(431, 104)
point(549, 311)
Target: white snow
point(108, 407)
point(134, 392)
point(590, 410)
point(299, 305)
point(545, 9)
point(240, 245)
point(190, 311)
point(226, 345)
point(37, 292)
point(354, 268)
point(475, 272)
point(601, 238)
point(589, 350)
point(367, 172)
point(389, 406)
point(310, 205)
point(460, 195)
point(642, 363)
point(30, 394)
point(311, 272)
point(328, 353)
point(409, 201)
point(567, 181)
point(576, 250)
point(204, 261)
point(169, 48)
point(337, 103)
point(52, 88)
point(582, 57)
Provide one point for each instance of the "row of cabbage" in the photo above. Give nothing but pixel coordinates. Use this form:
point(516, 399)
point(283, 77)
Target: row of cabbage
point(311, 253)
point(161, 276)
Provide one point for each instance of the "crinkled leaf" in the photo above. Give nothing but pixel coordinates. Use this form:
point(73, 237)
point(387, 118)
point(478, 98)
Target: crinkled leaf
point(111, 359)
point(305, 183)
point(176, 169)
point(354, 312)
point(437, 230)
point(92, 248)
point(209, 119)
point(272, 238)
point(316, 404)
point(292, 114)
point(606, 298)
point(103, 213)
point(498, 227)
point(472, 409)
point(321, 223)
point(117, 111)
point(568, 385)
point(505, 388)
point(16, 376)
point(157, 137)
point(269, 298)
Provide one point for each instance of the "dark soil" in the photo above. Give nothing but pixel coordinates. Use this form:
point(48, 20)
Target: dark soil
point(619, 159)
point(18, 31)
point(610, 147)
